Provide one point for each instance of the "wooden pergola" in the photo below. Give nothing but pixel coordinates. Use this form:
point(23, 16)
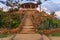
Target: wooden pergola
point(29, 5)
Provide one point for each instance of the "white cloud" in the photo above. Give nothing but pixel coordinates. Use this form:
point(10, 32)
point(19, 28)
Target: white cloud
point(49, 6)
point(5, 8)
point(57, 14)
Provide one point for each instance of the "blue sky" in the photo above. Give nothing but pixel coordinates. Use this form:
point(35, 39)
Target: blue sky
point(56, 1)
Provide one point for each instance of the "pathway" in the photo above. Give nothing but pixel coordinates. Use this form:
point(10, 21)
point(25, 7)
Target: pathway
point(28, 25)
point(30, 37)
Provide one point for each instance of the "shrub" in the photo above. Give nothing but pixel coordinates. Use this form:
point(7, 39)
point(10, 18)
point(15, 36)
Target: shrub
point(9, 20)
point(15, 21)
point(55, 34)
point(49, 23)
point(4, 35)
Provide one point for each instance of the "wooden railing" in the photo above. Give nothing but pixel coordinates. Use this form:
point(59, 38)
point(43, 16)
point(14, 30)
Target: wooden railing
point(34, 24)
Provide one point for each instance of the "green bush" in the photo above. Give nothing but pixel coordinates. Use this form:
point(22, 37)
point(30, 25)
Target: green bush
point(4, 35)
point(49, 23)
point(15, 21)
point(55, 34)
point(9, 20)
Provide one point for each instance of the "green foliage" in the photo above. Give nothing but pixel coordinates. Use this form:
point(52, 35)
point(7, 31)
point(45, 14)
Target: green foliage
point(55, 23)
point(1, 19)
point(55, 34)
point(9, 20)
point(15, 21)
point(4, 35)
point(49, 23)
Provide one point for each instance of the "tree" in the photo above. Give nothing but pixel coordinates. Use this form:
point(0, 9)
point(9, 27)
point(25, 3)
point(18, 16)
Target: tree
point(9, 2)
point(45, 0)
point(15, 5)
point(52, 13)
point(39, 3)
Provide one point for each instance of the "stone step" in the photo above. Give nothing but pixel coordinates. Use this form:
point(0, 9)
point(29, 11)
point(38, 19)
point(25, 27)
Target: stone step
point(28, 22)
point(28, 27)
point(28, 30)
point(29, 37)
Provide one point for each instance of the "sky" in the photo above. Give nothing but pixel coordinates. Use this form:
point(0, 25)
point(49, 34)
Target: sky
point(52, 5)
point(56, 1)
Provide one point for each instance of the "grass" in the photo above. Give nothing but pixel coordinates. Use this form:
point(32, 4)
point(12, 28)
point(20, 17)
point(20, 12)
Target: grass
point(12, 38)
point(4, 35)
point(55, 34)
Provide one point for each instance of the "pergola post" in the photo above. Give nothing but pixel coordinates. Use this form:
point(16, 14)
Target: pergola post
point(35, 6)
point(24, 6)
point(30, 6)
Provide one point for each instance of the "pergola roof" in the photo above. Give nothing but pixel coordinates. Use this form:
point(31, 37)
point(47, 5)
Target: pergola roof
point(28, 2)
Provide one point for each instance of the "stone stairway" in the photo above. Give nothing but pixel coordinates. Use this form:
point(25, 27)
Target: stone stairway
point(28, 31)
point(28, 26)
